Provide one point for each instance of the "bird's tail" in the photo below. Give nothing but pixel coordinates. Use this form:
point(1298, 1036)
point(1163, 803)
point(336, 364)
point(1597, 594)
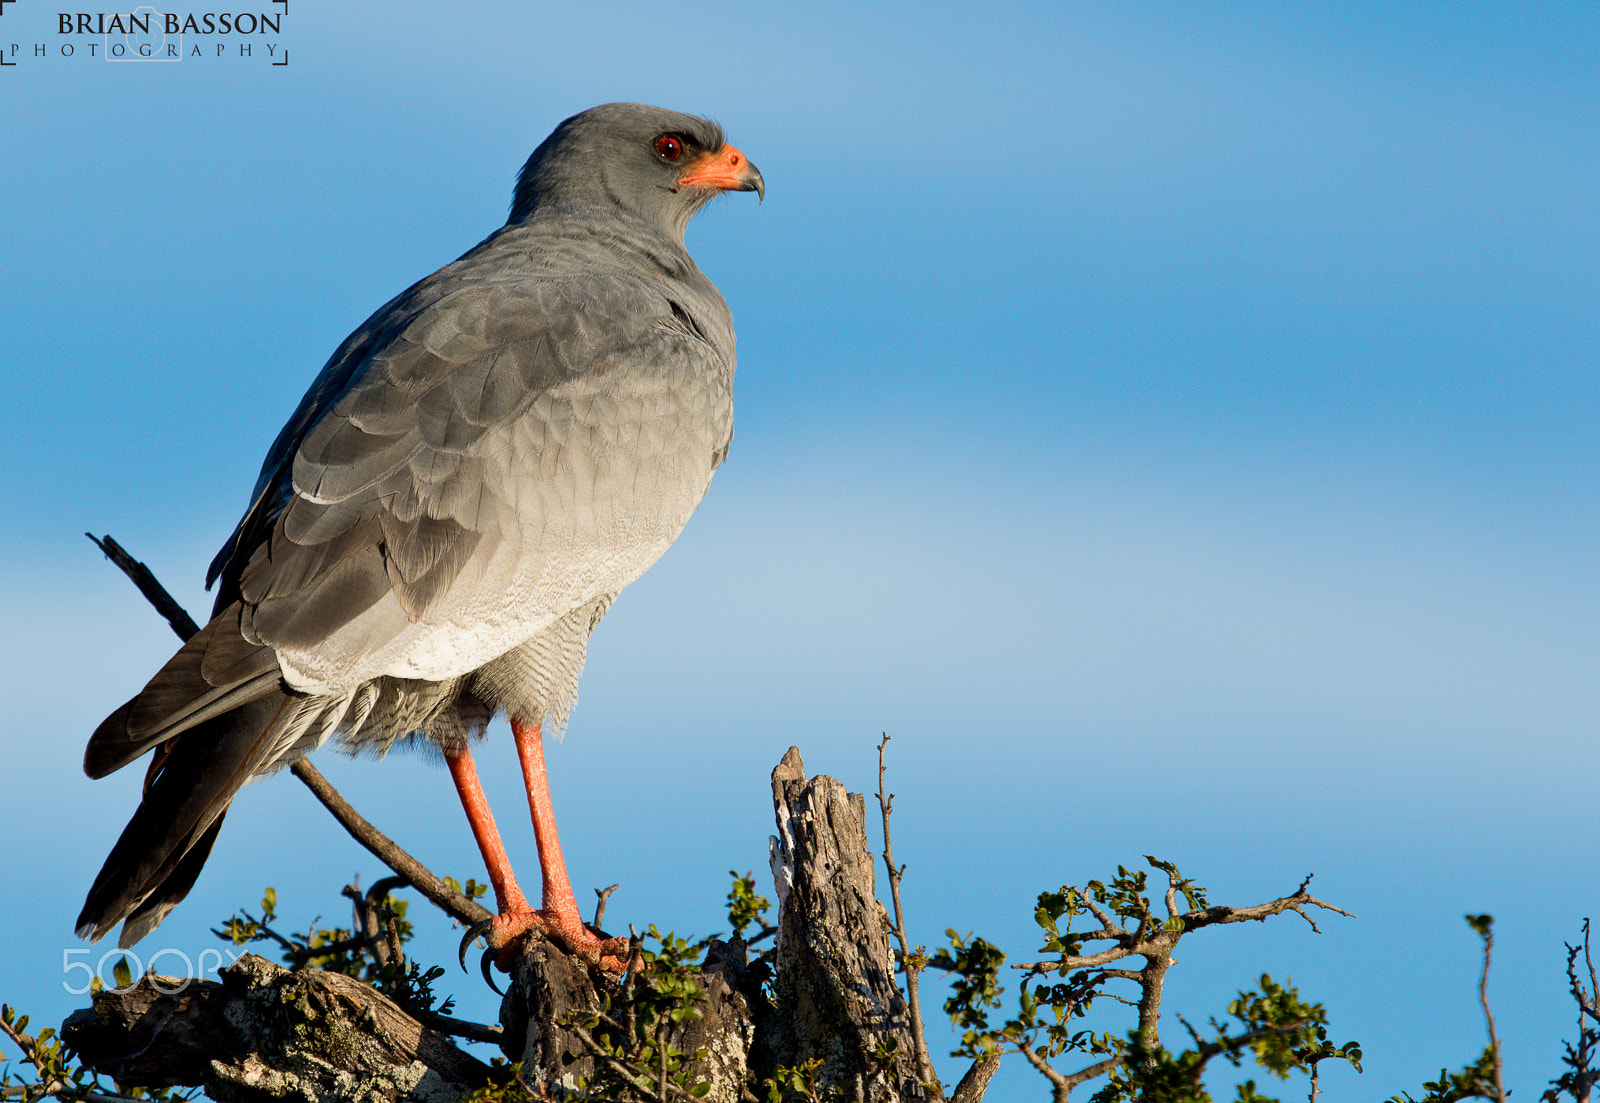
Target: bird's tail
point(187, 793)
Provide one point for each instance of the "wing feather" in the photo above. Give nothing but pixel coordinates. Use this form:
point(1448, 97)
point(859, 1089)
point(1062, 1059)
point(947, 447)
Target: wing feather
point(488, 424)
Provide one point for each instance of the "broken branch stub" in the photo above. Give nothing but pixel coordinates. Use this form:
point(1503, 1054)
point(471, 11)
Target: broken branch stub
point(834, 979)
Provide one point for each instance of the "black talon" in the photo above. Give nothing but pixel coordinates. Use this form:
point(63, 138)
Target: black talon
point(483, 963)
point(478, 930)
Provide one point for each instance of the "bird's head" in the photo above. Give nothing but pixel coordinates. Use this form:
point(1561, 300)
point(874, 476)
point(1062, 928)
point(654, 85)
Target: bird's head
point(646, 161)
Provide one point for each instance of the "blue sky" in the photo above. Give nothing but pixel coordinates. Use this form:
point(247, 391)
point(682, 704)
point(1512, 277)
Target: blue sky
point(1173, 423)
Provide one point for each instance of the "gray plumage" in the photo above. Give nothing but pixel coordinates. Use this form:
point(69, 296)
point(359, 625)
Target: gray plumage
point(469, 482)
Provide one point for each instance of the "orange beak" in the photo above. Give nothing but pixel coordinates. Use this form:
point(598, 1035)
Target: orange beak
point(726, 169)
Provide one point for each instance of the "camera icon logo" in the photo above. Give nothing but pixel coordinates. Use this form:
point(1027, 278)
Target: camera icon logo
point(146, 39)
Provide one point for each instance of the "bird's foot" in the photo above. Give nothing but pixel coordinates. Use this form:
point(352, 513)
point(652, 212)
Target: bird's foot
point(506, 932)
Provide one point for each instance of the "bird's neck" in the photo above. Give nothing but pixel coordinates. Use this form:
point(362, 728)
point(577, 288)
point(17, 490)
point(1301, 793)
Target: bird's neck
point(635, 242)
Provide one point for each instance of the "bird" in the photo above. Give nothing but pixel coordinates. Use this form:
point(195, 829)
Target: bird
point(464, 489)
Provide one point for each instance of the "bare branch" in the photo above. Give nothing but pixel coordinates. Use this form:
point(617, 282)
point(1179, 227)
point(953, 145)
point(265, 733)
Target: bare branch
point(909, 961)
point(1207, 917)
point(1060, 1087)
point(461, 1028)
point(1099, 1068)
point(1109, 927)
point(1237, 1042)
point(155, 593)
point(1487, 932)
point(1061, 1084)
point(1124, 974)
point(1587, 1001)
point(1069, 962)
point(1580, 1082)
point(373, 935)
point(1594, 984)
point(976, 1081)
point(455, 904)
point(626, 1073)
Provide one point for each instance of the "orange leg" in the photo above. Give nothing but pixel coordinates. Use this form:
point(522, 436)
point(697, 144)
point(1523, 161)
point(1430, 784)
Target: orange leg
point(507, 893)
point(558, 900)
point(558, 918)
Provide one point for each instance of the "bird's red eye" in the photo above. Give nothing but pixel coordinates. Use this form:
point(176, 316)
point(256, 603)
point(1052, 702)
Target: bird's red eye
point(669, 147)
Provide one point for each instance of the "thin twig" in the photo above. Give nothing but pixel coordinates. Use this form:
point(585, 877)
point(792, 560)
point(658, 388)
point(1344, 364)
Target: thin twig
point(600, 904)
point(1591, 1006)
point(155, 593)
point(1582, 1078)
point(368, 919)
point(661, 1055)
point(1060, 1088)
point(392, 940)
point(290, 946)
point(1099, 1068)
point(455, 904)
point(1199, 1042)
point(1130, 943)
point(1483, 997)
point(462, 1028)
point(910, 962)
point(632, 1078)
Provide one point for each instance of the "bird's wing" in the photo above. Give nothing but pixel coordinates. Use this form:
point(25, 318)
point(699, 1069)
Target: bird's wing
point(495, 457)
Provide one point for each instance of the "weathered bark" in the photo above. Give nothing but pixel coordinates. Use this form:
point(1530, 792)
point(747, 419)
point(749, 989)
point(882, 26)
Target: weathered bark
point(265, 1033)
point(834, 984)
point(553, 993)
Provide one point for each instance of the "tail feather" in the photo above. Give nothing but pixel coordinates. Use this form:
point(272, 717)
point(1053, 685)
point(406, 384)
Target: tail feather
point(160, 853)
point(167, 895)
point(212, 674)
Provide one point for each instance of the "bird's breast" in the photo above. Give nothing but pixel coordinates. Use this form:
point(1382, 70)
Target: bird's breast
point(582, 492)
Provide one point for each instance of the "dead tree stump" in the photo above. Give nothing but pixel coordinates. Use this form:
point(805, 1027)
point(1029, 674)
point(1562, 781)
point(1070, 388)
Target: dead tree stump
point(553, 993)
point(826, 994)
point(834, 982)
